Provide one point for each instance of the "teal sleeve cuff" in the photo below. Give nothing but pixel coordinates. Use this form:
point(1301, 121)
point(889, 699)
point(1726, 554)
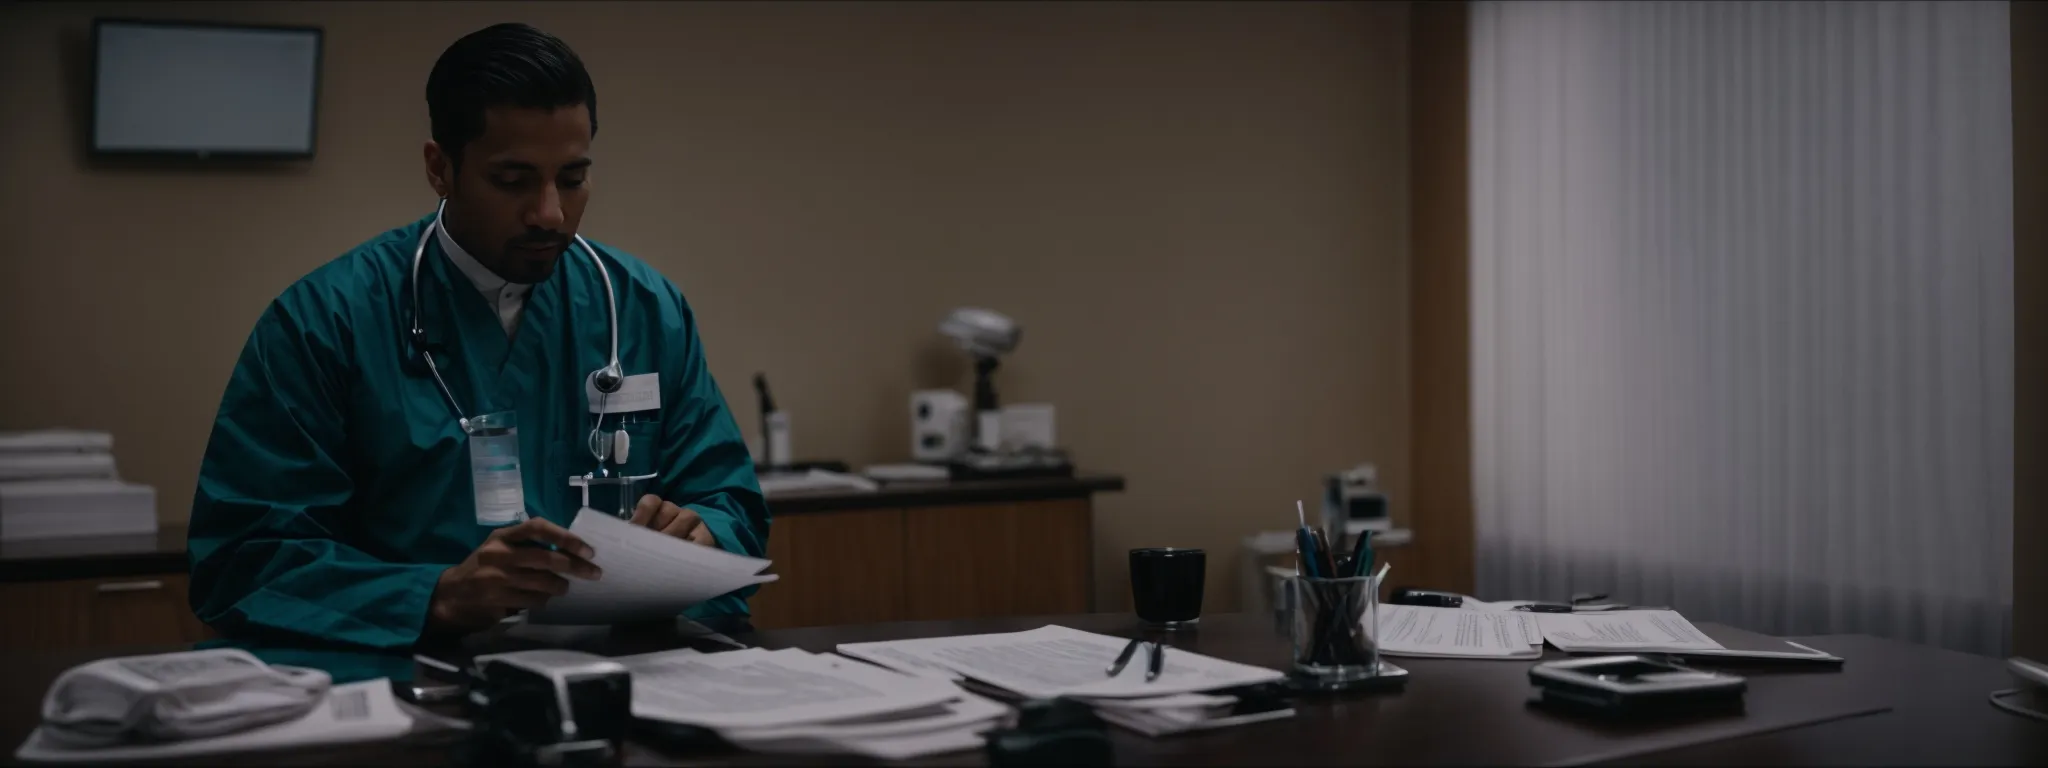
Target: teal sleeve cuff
point(387, 611)
point(724, 529)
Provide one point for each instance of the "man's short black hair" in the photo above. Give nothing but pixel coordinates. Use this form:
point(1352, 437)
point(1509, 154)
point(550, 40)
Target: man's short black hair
point(502, 65)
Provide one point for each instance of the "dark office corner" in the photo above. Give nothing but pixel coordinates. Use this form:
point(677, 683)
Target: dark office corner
point(2030, 328)
point(1441, 437)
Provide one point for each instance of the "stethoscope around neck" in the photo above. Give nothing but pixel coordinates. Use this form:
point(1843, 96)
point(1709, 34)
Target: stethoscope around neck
point(607, 380)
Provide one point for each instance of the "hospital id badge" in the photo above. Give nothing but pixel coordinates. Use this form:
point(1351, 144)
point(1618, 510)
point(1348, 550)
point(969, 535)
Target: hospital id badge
point(494, 469)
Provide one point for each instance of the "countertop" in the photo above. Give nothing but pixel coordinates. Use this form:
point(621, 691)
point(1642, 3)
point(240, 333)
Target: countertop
point(92, 557)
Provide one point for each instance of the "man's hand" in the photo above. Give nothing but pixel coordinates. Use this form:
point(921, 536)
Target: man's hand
point(507, 573)
point(673, 520)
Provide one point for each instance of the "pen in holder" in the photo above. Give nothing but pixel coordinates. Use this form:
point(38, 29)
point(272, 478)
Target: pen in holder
point(1333, 629)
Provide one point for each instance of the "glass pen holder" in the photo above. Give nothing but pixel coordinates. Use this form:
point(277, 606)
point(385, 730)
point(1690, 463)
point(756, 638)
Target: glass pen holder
point(1333, 629)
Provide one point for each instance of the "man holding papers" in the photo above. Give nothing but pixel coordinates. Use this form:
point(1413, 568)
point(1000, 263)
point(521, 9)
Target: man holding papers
point(393, 450)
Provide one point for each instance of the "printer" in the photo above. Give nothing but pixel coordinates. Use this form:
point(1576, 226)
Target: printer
point(1352, 501)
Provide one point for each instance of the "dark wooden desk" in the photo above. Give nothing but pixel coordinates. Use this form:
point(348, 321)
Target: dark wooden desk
point(1453, 711)
point(1940, 716)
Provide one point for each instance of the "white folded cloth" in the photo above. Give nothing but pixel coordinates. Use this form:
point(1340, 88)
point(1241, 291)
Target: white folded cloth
point(176, 696)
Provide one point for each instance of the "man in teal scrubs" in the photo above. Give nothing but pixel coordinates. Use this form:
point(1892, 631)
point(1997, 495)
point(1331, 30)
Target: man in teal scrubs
point(335, 500)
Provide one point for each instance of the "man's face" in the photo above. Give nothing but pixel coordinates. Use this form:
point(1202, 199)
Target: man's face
point(519, 192)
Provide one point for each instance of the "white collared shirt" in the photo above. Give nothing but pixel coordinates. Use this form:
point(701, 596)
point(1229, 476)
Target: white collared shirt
point(507, 298)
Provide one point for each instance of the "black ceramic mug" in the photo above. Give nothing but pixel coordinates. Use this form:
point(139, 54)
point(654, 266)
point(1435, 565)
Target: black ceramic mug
point(1166, 585)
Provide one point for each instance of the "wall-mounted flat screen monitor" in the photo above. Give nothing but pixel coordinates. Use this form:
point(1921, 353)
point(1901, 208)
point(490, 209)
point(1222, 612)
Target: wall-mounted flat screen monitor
point(187, 88)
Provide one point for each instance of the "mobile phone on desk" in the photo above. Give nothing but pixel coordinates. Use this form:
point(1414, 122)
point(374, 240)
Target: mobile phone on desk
point(1425, 597)
point(1633, 685)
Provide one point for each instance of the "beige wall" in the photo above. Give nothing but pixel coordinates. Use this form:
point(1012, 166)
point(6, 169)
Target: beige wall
point(1198, 212)
point(2030, 353)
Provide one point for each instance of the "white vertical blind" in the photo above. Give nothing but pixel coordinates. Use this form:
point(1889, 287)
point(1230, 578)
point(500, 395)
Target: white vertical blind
point(1742, 332)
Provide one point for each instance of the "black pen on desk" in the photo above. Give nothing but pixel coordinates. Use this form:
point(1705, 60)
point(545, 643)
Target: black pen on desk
point(1155, 659)
point(1124, 658)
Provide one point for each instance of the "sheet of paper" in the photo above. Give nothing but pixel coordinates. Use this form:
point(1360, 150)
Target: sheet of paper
point(1623, 631)
point(896, 746)
point(356, 712)
point(1531, 632)
point(1150, 724)
point(1181, 701)
point(758, 689)
point(920, 744)
point(777, 483)
point(647, 575)
point(1058, 661)
point(963, 711)
point(888, 655)
point(1413, 630)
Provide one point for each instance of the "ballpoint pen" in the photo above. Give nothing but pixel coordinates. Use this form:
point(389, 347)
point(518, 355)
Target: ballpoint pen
point(1326, 564)
point(1305, 545)
point(1124, 658)
point(1361, 555)
point(1158, 662)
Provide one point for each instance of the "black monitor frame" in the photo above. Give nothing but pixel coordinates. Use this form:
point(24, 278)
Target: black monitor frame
point(92, 143)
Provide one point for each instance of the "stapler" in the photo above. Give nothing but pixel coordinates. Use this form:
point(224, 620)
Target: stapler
point(551, 707)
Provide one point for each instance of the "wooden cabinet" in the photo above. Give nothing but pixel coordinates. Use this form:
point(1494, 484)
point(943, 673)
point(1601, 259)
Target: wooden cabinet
point(933, 562)
point(944, 550)
point(111, 612)
point(985, 560)
point(834, 568)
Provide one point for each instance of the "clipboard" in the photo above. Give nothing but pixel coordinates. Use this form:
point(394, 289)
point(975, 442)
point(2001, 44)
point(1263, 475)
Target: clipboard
point(1744, 647)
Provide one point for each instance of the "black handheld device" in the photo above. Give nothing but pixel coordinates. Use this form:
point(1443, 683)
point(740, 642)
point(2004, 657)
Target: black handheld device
point(1425, 597)
point(1633, 685)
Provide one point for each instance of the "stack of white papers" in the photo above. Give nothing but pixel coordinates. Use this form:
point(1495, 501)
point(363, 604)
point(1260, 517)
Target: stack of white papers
point(1180, 713)
point(795, 702)
point(1531, 631)
point(1413, 630)
point(1650, 631)
point(778, 483)
point(353, 713)
point(1058, 661)
point(61, 483)
point(647, 575)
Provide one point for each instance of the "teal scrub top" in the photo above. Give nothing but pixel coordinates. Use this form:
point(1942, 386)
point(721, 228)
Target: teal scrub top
point(335, 487)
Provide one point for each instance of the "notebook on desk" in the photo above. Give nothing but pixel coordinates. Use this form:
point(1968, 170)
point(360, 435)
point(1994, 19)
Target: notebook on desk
point(1668, 633)
point(1747, 646)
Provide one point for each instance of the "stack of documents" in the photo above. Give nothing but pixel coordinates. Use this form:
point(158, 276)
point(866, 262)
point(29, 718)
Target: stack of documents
point(1413, 630)
point(59, 483)
point(56, 454)
point(648, 575)
point(1189, 694)
point(1659, 631)
point(1456, 632)
point(1623, 631)
point(795, 702)
point(778, 483)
